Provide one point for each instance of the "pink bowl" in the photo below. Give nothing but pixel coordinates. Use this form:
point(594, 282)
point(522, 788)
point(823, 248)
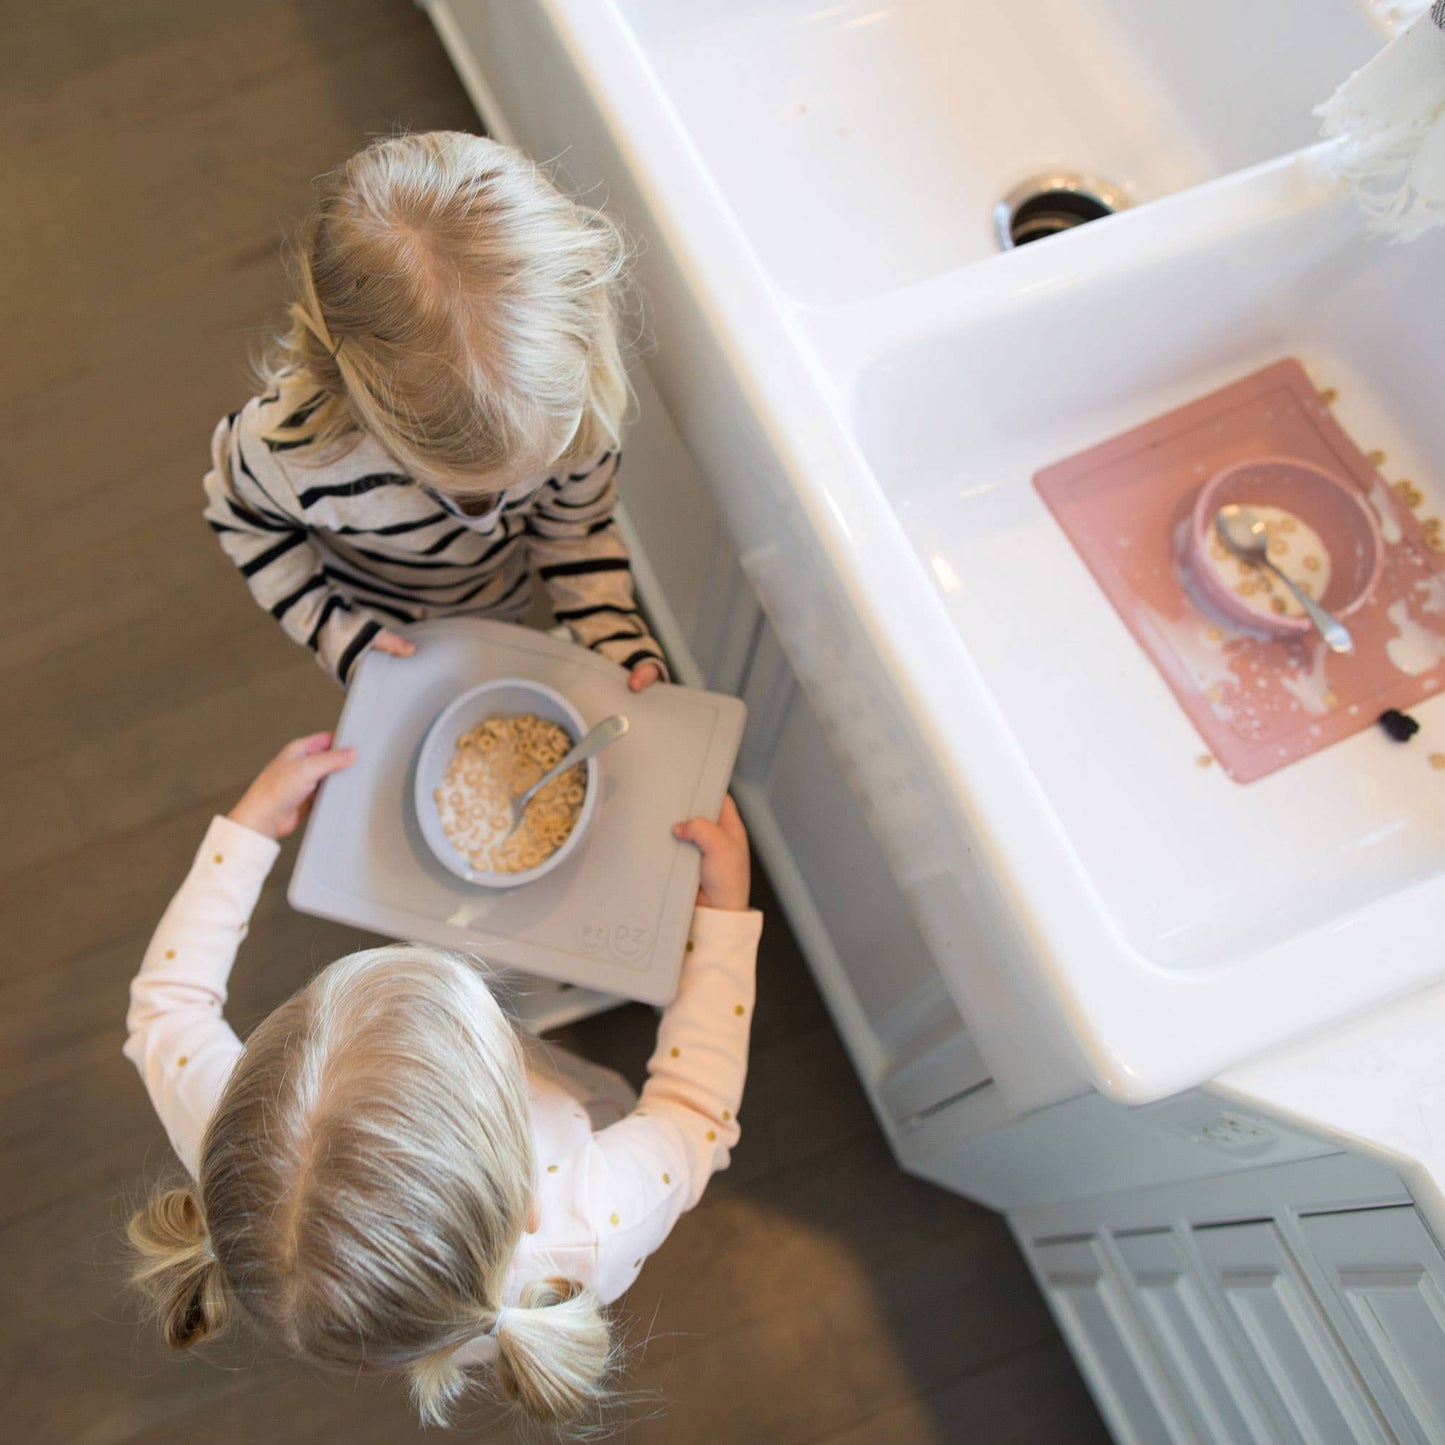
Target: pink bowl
point(1335, 508)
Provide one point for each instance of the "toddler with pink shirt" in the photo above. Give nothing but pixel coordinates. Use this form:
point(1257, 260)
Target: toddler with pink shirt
point(387, 1174)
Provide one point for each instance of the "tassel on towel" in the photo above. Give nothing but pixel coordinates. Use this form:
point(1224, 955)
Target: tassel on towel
point(1388, 120)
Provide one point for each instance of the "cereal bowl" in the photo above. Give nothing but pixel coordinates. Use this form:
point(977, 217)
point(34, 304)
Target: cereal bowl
point(504, 698)
point(1343, 548)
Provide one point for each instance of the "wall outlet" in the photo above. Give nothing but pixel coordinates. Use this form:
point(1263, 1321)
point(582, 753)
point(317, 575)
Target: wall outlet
point(1229, 1134)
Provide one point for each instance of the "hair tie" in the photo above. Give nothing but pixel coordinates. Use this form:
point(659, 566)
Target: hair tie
point(496, 1328)
point(206, 1245)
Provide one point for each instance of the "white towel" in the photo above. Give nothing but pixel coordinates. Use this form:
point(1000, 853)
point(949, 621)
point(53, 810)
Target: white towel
point(1388, 124)
point(1395, 15)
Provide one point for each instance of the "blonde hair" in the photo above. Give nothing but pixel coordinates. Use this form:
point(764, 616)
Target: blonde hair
point(456, 305)
point(363, 1186)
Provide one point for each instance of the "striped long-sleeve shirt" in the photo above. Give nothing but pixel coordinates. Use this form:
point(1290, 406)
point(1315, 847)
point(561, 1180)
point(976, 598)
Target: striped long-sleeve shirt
point(337, 548)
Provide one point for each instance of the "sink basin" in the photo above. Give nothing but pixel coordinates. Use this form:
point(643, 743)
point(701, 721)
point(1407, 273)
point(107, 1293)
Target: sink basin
point(863, 144)
point(1196, 874)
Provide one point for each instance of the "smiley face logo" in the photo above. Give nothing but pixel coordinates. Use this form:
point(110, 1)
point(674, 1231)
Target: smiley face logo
point(629, 941)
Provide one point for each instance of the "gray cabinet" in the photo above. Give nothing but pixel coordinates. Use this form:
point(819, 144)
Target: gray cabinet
point(1130, 1386)
point(1209, 1376)
point(687, 572)
point(1388, 1277)
point(1288, 1336)
point(875, 969)
point(1297, 1305)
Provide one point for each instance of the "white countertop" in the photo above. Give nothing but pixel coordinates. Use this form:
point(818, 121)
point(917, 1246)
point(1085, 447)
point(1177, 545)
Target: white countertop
point(1376, 1085)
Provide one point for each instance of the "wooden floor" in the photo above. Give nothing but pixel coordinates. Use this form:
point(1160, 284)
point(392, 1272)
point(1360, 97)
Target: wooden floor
point(150, 154)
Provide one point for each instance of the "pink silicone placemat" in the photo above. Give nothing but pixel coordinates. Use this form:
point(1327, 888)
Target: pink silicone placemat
point(1258, 705)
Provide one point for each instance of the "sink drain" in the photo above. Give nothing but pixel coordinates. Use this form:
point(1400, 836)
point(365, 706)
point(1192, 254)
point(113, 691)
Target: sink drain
point(1051, 203)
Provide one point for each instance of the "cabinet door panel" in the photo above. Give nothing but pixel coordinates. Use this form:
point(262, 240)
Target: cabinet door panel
point(1289, 1335)
point(1194, 1348)
point(687, 572)
point(1390, 1275)
point(944, 1066)
point(668, 503)
point(786, 753)
point(1125, 1376)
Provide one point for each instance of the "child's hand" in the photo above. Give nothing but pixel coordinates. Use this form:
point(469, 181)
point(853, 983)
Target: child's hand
point(643, 676)
point(281, 795)
point(393, 644)
point(724, 848)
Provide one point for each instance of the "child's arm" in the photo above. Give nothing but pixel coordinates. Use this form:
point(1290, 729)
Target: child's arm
point(655, 1164)
point(176, 1035)
point(249, 507)
point(579, 553)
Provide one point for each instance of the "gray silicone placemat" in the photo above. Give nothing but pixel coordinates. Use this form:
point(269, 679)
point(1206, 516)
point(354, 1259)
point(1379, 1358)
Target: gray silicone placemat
point(615, 915)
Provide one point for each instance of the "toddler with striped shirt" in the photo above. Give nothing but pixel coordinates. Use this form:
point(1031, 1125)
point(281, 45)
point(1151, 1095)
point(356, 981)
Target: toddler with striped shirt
point(441, 420)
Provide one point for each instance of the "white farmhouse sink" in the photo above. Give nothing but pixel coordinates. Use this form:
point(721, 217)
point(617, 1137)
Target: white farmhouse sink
point(871, 390)
point(1193, 872)
point(863, 144)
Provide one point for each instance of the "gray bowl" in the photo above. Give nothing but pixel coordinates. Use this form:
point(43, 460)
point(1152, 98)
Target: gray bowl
point(503, 697)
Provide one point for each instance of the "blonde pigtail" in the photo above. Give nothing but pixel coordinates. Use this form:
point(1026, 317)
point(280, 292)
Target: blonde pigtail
point(437, 1382)
point(176, 1269)
point(554, 1351)
point(554, 1357)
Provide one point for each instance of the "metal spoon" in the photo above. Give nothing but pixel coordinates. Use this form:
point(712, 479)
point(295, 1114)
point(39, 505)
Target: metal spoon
point(1244, 534)
point(603, 735)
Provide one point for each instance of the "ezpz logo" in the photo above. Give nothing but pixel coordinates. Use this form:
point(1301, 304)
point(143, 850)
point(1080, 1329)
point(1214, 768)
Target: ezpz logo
point(626, 941)
point(629, 941)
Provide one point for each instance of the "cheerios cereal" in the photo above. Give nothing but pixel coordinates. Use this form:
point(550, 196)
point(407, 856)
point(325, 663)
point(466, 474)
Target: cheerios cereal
point(496, 761)
point(1294, 547)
